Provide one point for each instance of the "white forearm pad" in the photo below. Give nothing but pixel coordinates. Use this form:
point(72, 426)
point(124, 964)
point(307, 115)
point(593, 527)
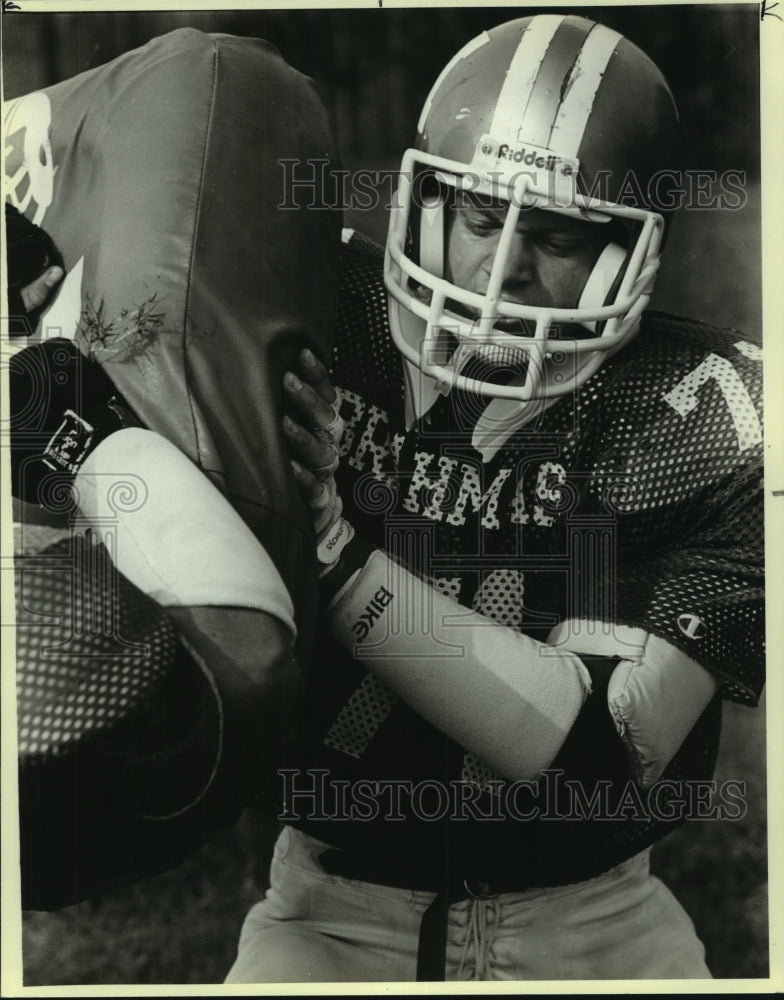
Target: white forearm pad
point(505, 697)
point(655, 694)
point(176, 537)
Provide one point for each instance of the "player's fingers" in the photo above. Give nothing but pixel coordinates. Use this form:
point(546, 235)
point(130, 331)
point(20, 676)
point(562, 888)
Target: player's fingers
point(323, 420)
point(37, 292)
point(311, 488)
point(314, 410)
point(316, 375)
point(325, 505)
point(319, 457)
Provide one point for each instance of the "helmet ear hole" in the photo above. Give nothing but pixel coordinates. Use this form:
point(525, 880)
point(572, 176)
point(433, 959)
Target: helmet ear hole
point(431, 234)
point(603, 282)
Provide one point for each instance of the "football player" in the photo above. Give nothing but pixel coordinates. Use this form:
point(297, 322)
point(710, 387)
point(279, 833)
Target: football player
point(538, 510)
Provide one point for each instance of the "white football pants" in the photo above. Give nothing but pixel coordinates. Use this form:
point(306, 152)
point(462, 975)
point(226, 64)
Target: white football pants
point(317, 927)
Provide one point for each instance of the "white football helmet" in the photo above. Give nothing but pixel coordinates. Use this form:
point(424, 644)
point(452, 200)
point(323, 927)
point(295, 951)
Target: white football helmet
point(552, 112)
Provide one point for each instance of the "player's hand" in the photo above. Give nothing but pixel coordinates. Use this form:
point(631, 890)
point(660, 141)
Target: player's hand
point(35, 294)
point(312, 429)
point(33, 263)
point(312, 426)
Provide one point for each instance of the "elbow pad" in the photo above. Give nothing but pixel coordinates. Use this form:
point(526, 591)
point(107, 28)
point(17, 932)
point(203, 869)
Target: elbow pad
point(655, 693)
point(177, 538)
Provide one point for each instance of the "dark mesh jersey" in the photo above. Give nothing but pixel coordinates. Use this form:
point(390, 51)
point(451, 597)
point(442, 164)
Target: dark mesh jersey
point(637, 500)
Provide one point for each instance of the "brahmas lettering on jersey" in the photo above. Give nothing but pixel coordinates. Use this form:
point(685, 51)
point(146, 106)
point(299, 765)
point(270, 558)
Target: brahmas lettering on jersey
point(635, 500)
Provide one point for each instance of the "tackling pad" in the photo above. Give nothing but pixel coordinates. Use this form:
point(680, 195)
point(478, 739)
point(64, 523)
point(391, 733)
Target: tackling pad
point(158, 178)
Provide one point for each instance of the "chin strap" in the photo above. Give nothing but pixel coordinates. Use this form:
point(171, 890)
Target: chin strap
point(431, 234)
point(501, 419)
point(603, 280)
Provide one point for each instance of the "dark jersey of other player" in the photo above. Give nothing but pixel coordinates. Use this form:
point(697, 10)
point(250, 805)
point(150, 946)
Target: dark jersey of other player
point(636, 500)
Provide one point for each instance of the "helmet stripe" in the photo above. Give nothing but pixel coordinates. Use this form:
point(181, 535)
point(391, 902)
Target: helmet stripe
point(577, 104)
point(464, 53)
point(555, 71)
point(521, 76)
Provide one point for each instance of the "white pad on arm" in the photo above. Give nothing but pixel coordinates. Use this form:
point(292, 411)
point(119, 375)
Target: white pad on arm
point(656, 693)
point(505, 697)
point(177, 538)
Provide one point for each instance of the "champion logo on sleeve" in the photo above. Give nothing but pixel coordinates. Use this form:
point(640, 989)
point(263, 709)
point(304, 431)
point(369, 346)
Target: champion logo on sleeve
point(691, 626)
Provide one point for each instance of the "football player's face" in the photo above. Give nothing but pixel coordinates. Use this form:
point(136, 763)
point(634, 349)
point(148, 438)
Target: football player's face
point(549, 261)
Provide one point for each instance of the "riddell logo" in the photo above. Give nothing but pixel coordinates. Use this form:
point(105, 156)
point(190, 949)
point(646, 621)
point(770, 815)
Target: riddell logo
point(532, 158)
point(527, 155)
